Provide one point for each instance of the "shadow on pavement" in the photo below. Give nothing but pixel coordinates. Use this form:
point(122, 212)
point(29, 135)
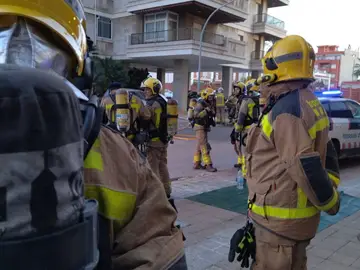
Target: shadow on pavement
point(349, 163)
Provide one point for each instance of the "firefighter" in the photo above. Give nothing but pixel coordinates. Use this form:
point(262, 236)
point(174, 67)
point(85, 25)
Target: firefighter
point(140, 115)
point(50, 35)
point(235, 99)
point(220, 106)
point(248, 114)
point(292, 167)
point(158, 145)
point(204, 115)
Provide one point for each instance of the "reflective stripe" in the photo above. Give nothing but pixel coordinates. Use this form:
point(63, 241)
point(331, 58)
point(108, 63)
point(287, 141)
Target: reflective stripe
point(284, 213)
point(108, 111)
point(157, 117)
point(266, 126)
point(334, 178)
point(302, 199)
point(320, 125)
point(197, 158)
point(131, 136)
point(243, 167)
point(94, 159)
point(115, 205)
point(134, 105)
point(157, 139)
point(239, 160)
point(330, 204)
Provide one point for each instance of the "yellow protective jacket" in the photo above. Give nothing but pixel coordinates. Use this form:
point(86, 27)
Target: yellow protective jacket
point(132, 198)
point(246, 111)
point(202, 112)
point(220, 100)
point(156, 112)
point(292, 168)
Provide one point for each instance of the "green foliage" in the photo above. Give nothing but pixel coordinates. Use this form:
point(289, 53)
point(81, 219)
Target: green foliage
point(136, 76)
point(106, 71)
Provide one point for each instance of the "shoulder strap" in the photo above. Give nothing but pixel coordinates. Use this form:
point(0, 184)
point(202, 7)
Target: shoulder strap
point(95, 129)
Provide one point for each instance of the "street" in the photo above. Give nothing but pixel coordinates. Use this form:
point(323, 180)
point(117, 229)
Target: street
point(211, 209)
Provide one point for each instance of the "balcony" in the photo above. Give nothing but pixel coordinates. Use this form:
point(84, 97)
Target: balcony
point(255, 62)
point(269, 26)
point(278, 3)
point(235, 12)
point(176, 35)
point(105, 6)
point(163, 47)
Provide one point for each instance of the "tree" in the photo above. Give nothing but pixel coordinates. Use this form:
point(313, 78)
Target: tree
point(136, 76)
point(106, 71)
point(356, 72)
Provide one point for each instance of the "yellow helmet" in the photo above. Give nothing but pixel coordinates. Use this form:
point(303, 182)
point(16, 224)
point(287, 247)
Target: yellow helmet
point(204, 94)
point(291, 58)
point(66, 20)
point(152, 83)
point(252, 85)
point(239, 88)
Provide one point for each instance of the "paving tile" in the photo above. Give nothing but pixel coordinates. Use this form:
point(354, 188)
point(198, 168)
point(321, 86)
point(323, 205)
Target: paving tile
point(329, 265)
point(351, 250)
point(225, 265)
point(320, 252)
point(313, 261)
point(214, 267)
point(342, 259)
point(332, 244)
point(356, 264)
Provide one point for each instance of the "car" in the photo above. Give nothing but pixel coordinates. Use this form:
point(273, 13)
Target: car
point(344, 115)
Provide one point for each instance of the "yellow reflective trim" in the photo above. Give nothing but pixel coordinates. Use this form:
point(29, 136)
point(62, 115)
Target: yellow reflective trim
point(97, 143)
point(239, 160)
point(302, 199)
point(130, 137)
point(114, 205)
point(316, 112)
point(157, 139)
point(134, 105)
point(284, 213)
point(243, 167)
point(157, 117)
point(266, 126)
point(94, 159)
point(197, 158)
point(330, 204)
point(320, 125)
point(250, 109)
point(334, 179)
point(322, 112)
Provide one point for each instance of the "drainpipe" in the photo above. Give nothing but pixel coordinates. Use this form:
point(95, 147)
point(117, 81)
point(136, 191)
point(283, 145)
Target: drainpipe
point(202, 36)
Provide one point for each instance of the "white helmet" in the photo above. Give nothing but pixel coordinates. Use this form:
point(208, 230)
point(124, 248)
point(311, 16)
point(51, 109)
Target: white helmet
point(220, 90)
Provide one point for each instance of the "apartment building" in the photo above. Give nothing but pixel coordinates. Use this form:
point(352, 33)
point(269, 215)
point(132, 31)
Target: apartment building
point(164, 35)
point(339, 64)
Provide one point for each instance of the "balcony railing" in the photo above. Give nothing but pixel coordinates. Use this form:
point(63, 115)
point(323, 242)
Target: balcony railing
point(270, 20)
point(257, 55)
point(239, 4)
point(176, 35)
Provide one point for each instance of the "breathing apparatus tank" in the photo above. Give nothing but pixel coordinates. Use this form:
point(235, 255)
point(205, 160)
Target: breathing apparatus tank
point(122, 114)
point(172, 121)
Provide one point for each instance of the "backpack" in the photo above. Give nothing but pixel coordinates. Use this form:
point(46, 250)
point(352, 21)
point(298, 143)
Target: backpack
point(162, 131)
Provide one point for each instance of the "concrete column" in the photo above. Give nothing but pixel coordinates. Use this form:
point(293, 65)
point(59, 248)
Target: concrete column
point(227, 80)
point(181, 83)
point(160, 75)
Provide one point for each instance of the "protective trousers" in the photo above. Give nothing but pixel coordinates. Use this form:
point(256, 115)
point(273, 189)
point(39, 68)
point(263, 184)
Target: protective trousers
point(277, 253)
point(220, 115)
point(202, 150)
point(157, 158)
point(237, 148)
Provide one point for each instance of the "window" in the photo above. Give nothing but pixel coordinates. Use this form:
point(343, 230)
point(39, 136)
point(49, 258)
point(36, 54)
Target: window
point(340, 110)
point(326, 107)
point(241, 37)
point(104, 27)
point(333, 66)
point(354, 108)
point(161, 26)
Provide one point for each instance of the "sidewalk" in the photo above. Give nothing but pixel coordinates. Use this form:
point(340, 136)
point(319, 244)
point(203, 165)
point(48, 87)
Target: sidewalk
point(209, 229)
